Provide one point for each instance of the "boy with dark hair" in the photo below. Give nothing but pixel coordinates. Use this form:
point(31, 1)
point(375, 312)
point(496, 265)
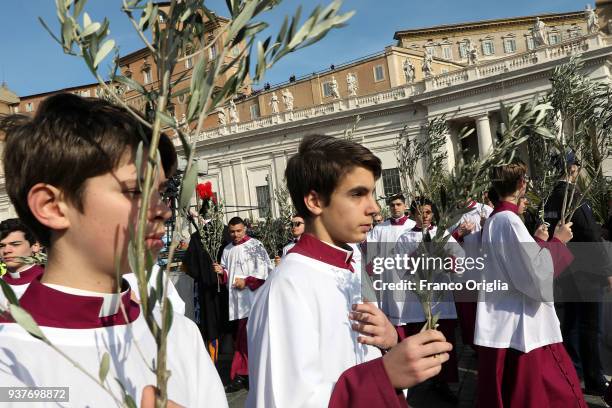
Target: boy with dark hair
point(71, 174)
point(16, 243)
point(305, 347)
point(406, 312)
point(245, 266)
point(521, 358)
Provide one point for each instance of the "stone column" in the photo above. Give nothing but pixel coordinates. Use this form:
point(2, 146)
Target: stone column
point(485, 140)
point(451, 149)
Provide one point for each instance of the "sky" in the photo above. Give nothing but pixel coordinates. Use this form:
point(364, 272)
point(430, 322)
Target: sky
point(32, 62)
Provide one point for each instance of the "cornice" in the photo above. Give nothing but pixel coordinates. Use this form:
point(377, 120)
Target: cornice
point(478, 25)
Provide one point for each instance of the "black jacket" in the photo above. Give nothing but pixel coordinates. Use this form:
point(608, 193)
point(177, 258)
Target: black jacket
point(213, 297)
point(592, 259)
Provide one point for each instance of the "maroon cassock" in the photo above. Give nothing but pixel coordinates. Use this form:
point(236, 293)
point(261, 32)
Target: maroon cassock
point(544, 377)
point(466, 314)
point(240, 361)
point(366, 385)
point(25, 277)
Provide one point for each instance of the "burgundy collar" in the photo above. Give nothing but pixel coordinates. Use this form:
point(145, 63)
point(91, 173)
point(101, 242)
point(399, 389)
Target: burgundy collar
point(398, 221)
point(505, 206)
point(419, 229)
point(313, 248)
point(242, 241)
point(54, 308)
point(25, 277)
point(472, 204)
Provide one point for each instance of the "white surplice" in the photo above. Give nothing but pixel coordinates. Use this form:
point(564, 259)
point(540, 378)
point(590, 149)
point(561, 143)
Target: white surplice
point(523, 317)
point(299, 333)
point(405, 307)
point(248, 258)
point(29, 362)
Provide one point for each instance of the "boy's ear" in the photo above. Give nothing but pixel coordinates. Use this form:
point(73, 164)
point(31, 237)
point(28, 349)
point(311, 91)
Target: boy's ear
point(48, 205)
point(313, 202)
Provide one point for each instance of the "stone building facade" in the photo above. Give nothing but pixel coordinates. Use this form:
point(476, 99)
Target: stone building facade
point(462, 71)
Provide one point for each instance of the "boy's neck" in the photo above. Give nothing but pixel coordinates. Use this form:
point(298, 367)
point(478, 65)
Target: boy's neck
point(514, 198)
point(320, 233)
point(78, 276)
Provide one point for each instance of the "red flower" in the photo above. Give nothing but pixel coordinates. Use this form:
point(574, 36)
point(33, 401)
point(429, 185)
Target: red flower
point(205, 191)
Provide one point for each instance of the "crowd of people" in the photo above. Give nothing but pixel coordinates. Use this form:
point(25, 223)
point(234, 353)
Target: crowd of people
point(305, 332)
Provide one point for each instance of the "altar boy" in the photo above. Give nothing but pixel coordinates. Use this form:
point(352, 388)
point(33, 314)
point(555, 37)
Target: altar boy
point(522, 360)
point(16, 243)
point(71, 175)
point(304, 328)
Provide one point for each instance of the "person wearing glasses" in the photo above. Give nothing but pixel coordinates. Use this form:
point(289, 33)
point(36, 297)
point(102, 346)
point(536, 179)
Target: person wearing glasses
point(297, 229)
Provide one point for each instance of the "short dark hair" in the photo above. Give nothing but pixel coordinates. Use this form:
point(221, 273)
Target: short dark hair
point(236, 221)
point(69, 140)
point(320, 163)
point(14, 224)
point(419, 201)
point(493, 196)
point(505, 179)
point(396, 197)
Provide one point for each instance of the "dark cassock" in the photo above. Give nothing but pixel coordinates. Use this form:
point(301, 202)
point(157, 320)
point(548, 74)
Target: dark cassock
point(212, 296)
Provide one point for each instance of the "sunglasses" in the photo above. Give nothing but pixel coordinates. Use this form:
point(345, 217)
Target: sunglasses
point(296, 224)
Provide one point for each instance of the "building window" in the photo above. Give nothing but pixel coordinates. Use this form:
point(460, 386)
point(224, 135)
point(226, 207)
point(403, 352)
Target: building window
point(463, 49)
point(379, 73)
point(254, 111)
point(146, 74)
point(327, 89)
point(391, 181)
point(15, 109)
point(29, 107)
point(488, 48)
point(445, 70)
point(189, 63)
point(554, 38)
point(447, 53)
point(509, 45)
point(212, 52)
point(530, 43)
point(574, 32)
point(430, 50)
point(263, 200)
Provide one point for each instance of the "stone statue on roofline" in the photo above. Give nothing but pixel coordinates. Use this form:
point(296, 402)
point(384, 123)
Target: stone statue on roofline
point(539, 33)
point(233, 112)
point(592, 20)
point(221, 117)
point(274, 102)
point(351, 84)
point(287, 99)
point(472, 52)
point(334, 88)
point(409, 71)
point(427, 65)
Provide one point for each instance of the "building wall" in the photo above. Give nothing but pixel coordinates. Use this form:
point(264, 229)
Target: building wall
point(566, 26)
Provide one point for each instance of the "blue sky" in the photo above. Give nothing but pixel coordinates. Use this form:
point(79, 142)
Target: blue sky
point(31, 62)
